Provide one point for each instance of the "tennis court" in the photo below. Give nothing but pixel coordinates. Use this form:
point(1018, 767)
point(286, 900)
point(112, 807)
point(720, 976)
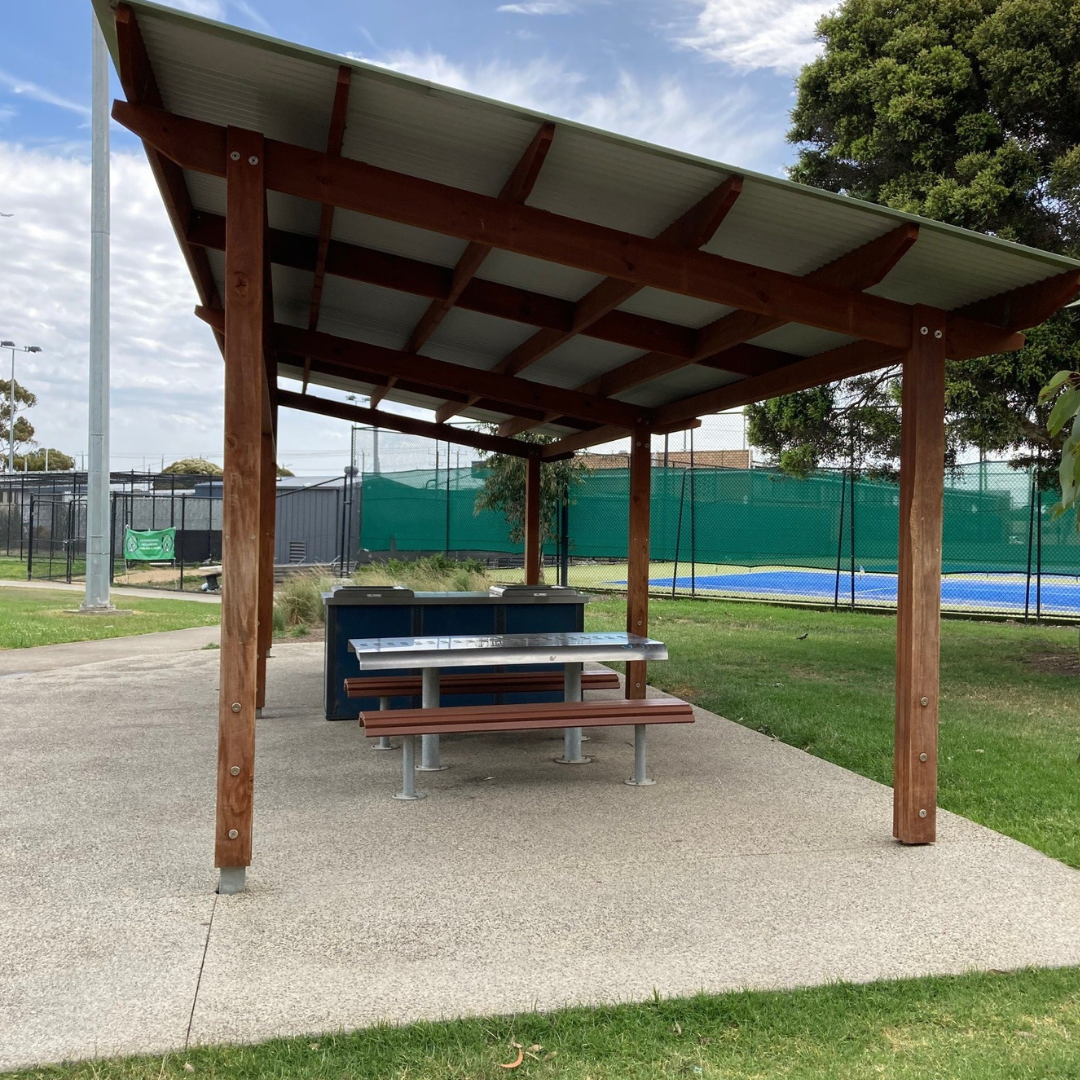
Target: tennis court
point(1057, 595)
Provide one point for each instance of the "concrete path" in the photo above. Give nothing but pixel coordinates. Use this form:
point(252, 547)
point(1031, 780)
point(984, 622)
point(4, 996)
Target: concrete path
point(118, 592)
point(517, 883)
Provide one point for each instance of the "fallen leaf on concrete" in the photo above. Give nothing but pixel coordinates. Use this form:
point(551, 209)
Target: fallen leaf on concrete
point(516, 1062)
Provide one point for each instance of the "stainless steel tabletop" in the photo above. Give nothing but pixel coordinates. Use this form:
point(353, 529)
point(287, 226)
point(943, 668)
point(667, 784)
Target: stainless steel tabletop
point(484, 649)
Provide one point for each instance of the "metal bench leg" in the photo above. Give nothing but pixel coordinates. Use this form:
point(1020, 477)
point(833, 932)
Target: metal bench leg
point(383, 741)
point(639, 779)
point(572, 736)
point(429, 744)
point(408, 791)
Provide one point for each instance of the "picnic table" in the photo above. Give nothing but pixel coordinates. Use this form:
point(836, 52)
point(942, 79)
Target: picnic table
point(432, 654)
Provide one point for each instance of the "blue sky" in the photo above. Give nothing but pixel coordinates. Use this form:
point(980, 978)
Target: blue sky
point(711, 76)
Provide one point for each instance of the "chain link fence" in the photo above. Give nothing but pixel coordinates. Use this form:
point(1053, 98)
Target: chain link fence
point(43, 527)
point(755, 534)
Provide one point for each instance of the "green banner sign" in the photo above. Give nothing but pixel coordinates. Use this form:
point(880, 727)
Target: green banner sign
point(151, 545)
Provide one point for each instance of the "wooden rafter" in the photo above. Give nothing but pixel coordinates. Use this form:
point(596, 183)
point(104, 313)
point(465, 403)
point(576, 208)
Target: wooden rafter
point(516, 190)
point(334, 140)
point(425, 204)
point(692, 230)
point(1028, 305)
point(408, 425)
point(497, 392)
point(582, 440)
point(356, 263)
point(141, 88)
point(721, 344)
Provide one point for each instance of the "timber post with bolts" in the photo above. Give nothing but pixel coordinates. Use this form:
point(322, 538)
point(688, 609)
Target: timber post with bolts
point(244, 381)
point(532, 520)
point(267, 516)
point(637, 555)
point(918, 615)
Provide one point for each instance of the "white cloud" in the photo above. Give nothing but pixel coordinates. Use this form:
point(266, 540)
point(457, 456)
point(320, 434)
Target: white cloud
point(25, 88)
point(551, 7)
point(660, 110)
point(776, 34)
point(219, 9)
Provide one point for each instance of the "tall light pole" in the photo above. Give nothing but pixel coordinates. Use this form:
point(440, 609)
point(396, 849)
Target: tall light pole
point(98, 540)
point(11, 397)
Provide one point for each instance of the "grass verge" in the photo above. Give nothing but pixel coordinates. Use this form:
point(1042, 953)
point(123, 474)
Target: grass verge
point(1010, 722)
point(30, 617)
point(970, 1027)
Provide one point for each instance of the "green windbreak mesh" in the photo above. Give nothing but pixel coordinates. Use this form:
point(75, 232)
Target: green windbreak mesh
point(752, 517)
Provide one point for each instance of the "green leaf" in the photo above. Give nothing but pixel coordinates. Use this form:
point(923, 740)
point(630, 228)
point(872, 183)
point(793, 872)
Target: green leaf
point(1051, 387)
point(1065, 408)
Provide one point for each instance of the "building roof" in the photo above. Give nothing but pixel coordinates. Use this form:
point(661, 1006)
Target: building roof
point(387, 279)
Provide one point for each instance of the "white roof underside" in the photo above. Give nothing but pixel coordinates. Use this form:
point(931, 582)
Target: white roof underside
point(231, 77)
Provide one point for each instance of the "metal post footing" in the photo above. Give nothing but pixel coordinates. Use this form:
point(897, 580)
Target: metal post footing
point(572, 748)
point(231, 880)
point(408, 792)
point(258, 714)
point(639, 779)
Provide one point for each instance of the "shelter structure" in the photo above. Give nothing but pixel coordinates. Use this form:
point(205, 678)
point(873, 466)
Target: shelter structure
point(353, 228)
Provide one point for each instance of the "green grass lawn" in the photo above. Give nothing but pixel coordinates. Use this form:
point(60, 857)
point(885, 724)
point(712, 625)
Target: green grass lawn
point(975, 1027)
point(12, 569)
point(1010, 731)
point(39, 617)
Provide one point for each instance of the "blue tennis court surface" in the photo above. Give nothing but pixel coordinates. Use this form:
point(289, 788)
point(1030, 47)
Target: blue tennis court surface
point(1005, 593)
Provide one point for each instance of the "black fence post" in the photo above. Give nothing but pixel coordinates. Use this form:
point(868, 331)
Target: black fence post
point(678, 536)
point(693, 521)
point(112, 537)
point(851, 520)
point(1038, 551)
point(564, 535)
point(448, 508)
point(1030, 546)
point(840, 538)
point(177, 548)
point(30, 543)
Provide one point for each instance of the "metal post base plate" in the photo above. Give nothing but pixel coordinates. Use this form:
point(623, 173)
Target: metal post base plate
point(639, 783)
point(383, 743)
point(573, 761)
point(432, 768)
point(231, 880)
point(405, 797)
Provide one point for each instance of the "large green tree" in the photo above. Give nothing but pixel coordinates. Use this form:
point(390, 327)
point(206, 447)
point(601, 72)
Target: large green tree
point(967, 111)
point(24, 430)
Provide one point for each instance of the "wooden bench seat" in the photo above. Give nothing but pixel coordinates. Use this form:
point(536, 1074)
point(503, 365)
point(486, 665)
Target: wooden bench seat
point(540, 716)
point(488, 682)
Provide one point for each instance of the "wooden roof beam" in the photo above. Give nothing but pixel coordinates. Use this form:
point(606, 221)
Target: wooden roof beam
point(571, 444)
point(721, 344)
point(1028, 305)
point(540, 234)
point(516, 190)
point(408, 425)
point(397, 272)
point(692, 230)
point(140, 86)
point(334, 140)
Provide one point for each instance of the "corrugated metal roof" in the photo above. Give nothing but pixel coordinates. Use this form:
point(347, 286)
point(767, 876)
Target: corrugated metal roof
point(230, 77)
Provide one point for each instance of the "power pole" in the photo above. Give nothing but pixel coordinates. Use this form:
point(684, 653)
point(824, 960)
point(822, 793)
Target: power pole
point(98, 540)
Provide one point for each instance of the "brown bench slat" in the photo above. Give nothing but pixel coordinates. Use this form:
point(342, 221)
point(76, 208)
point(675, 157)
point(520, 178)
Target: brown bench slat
point(489, 682)
point(536, 716)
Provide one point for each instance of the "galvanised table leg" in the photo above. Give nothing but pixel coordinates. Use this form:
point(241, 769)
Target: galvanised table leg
point(408, 790)
point(639, 779)
point(429, 744)
point(572, 736)
point(383, 741)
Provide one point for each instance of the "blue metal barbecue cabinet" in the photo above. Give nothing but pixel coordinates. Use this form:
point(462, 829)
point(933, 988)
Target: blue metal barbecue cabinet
point(359, 611)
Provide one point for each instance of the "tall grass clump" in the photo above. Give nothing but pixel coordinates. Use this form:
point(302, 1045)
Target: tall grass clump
point(433, 573)
point(298, 600)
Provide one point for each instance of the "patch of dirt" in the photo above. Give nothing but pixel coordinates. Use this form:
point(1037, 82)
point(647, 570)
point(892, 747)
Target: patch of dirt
point(1056, 663)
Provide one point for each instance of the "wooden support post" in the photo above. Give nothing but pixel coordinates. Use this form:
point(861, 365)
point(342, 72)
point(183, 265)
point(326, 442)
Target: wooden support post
point(244, 377)
point(532, 520)
point(637, 569)
point(267, 518)
point(922, 478)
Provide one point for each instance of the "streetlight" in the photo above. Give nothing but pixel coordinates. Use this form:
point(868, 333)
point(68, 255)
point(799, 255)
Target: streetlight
point(11, 396)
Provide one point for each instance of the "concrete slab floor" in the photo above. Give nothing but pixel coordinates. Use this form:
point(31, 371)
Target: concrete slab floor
point(517, 883)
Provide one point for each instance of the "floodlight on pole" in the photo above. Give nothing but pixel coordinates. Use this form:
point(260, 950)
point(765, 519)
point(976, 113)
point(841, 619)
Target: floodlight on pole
point(11, 397)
